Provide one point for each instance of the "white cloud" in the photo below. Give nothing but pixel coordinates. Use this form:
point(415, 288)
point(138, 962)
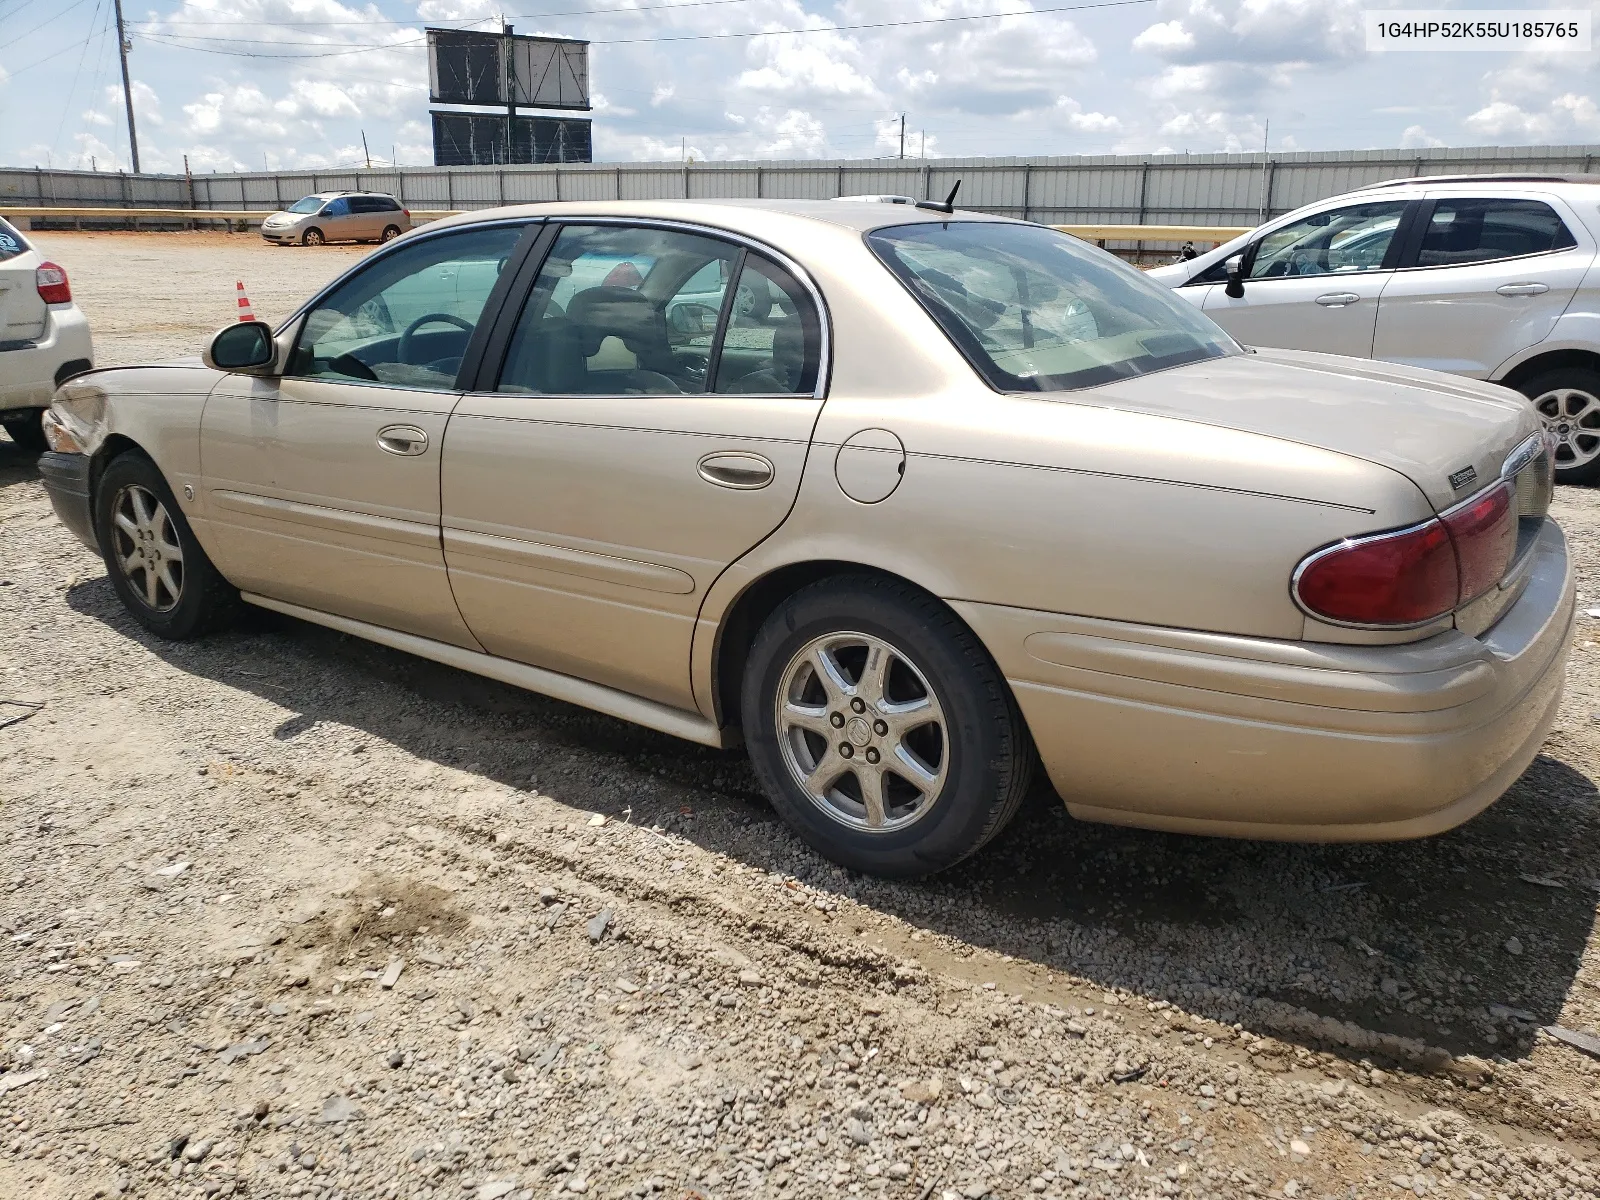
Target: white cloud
point(1416, 137)
point(1258, 31)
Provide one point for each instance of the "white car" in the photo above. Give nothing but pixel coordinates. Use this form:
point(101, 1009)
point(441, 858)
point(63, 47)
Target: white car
point(1490, 276)
point(44, 338)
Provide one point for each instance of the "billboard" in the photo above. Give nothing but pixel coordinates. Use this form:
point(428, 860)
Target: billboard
point(480, 68)
point(479, 140)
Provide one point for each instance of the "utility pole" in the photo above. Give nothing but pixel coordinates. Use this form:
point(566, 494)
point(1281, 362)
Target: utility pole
point(511, 91)
point(902, 128)
point(127, 88)
point(1265, 153)
point(364, 150)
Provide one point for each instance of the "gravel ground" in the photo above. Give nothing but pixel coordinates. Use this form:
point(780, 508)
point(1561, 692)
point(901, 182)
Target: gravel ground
point(287, 914)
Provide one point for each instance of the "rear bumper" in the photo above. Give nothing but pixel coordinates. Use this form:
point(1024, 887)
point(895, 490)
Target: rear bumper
point(66, 481)
point(1206, 733)
point(28, 373)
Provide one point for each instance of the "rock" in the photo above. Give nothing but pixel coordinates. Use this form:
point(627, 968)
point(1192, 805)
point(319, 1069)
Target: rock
point(1291, 1187)
point(1303, 1149)
point(627, 986)
point(493, 1189)
point(177, 1142)
point(858, 1131)
point(1514, 946)
point(196, 1151)
point(899, 1170)
point(750, 978)
point(173, 870)
point(548, 895)
point(596, 821)
point(337, 1109)
point(599, 924)
point(391, 973)
point(1470, 1070)
point(397, 1058)
point(261, 1110)
point(922, 1091)
point(466, 1008)
point(10, 1081)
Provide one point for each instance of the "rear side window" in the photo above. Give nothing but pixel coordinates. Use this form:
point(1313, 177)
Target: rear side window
point(12, 243)
point(772, 344)
point(1472, 230)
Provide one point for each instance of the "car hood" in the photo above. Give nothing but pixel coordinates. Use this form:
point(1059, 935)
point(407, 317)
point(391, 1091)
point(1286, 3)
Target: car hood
point(1422, 424)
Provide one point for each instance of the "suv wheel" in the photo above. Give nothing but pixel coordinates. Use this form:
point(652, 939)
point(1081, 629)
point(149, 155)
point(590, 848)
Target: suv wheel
point(26, 430)
point(1567, 400)
point(312, 237)
point(881, 729)
point(157, 567)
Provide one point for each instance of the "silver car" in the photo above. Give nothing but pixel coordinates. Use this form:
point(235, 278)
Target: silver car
point(338, 217)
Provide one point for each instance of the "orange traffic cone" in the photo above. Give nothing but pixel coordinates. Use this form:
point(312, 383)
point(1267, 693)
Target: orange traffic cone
point(246, 313)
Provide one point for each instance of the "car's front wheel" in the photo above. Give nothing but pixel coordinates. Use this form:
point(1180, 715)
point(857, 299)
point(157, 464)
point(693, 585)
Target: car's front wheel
point(157, 567)
point(1567, 400)
point(312, 237)
point(881, 728)
point(26, 429)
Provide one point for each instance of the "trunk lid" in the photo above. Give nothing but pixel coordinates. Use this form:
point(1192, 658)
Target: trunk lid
point(1450, 436)
point(22, 312)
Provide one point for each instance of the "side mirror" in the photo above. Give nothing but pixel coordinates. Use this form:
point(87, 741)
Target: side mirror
point(694, 319)
point(247, 347)
point(1235, 268)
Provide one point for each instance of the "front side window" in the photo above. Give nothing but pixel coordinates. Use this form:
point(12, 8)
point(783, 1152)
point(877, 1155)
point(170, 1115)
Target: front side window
point(309, 204)
point(1339, 242)
point(619, 310)
point(406, 319)
point(1035, 310)
point(337, 208)
point(1470, 230)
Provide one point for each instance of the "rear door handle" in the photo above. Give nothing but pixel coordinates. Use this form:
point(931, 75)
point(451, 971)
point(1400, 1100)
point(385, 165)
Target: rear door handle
point(738, 470)
point(1523, 289)
point(1337, 299)
point(402, 439)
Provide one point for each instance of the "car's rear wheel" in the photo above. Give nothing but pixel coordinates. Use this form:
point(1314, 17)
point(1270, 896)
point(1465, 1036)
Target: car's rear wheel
point(157, 567)
point(390, 232)
point(881, 728)
point(1567, 400)
point(312, 237)
point(26, 429)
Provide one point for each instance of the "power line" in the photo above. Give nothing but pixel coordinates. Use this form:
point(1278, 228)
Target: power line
point(571, 12)
point(77, 73)
point(173, 40)
point(59, 13)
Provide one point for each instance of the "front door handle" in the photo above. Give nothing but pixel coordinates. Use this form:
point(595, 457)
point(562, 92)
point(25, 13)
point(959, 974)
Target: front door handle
point(741, 471)
point(1522, 289)
point(1337, 299)
point(402, 439)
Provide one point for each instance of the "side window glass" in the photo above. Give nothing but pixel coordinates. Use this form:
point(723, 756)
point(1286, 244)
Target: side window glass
point(1469, 231)
point(1340, 242)
point(773, 343)
point(406, 319)
point(337, 208)
point(619, 310)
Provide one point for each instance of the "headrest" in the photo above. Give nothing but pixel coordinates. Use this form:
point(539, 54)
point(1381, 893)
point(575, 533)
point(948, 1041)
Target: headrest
point(789, 344)
point(601, 312)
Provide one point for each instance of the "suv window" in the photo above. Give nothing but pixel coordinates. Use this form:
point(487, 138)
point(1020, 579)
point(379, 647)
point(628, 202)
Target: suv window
point(1340, 241)
point(12, 243)
point(405, 320)
point(1476, 230)
point(620, 311)
point(337, 208)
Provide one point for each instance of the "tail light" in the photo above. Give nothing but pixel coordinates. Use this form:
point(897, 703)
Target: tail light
point(51, 281)
point(406, 213)
point(1413, 575)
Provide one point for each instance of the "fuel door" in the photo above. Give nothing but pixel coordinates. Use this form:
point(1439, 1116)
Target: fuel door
point(870, 465)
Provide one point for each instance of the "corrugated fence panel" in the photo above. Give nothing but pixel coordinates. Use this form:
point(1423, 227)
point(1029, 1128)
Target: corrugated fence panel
point(716, 183)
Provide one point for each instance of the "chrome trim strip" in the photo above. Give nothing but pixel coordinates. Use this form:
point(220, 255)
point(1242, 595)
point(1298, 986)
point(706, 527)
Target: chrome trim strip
point(1523, 454)
point(689, 726)
point(563, 560)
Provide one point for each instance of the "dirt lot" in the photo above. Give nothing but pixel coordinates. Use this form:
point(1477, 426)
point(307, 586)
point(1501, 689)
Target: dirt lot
point(286, 914)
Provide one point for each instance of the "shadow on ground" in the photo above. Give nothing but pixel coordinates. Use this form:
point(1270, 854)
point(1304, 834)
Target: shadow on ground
point(1408, 939)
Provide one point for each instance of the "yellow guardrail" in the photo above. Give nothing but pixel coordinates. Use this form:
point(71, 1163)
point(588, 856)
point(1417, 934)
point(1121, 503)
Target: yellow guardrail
point(248, 215)
point(1176, 234)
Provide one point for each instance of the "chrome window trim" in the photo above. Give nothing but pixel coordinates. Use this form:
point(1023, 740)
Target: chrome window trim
point(824, 317)
point(1483, 262)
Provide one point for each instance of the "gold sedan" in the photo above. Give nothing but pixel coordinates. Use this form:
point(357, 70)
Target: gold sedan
point(909, 501)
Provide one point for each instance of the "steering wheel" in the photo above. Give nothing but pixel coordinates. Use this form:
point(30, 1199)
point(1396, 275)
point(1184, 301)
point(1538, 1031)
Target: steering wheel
point(404, 349)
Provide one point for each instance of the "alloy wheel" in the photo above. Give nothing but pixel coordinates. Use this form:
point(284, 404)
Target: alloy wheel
point(862, 732)
point(146, 547)
point(1573, 415)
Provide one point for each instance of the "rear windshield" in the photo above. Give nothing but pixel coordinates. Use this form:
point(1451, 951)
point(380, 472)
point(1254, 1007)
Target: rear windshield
point(310, 204)
point(1035, 310)
point(12, 243)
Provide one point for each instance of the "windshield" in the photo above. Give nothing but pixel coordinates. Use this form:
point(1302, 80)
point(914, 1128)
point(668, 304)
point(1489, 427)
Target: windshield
point(310, 204)
point(1035, 310)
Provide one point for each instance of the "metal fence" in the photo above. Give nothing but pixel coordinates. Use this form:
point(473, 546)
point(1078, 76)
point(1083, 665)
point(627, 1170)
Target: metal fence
point(1162, 189)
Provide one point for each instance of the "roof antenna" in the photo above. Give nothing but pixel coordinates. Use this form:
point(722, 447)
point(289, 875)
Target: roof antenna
point(947, 205)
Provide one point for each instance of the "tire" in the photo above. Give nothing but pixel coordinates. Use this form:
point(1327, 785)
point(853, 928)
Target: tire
point(1567, 400)
point(27, 431)
point(958, 727)
point(312, 237)
point(390, 232)
point(138, 522)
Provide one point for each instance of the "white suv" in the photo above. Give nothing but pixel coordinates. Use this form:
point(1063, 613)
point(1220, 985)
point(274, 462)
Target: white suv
point(1490, 276)
point(44, 338)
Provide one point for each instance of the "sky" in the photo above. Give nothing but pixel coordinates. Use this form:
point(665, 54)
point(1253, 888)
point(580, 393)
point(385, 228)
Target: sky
point(272, 84)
